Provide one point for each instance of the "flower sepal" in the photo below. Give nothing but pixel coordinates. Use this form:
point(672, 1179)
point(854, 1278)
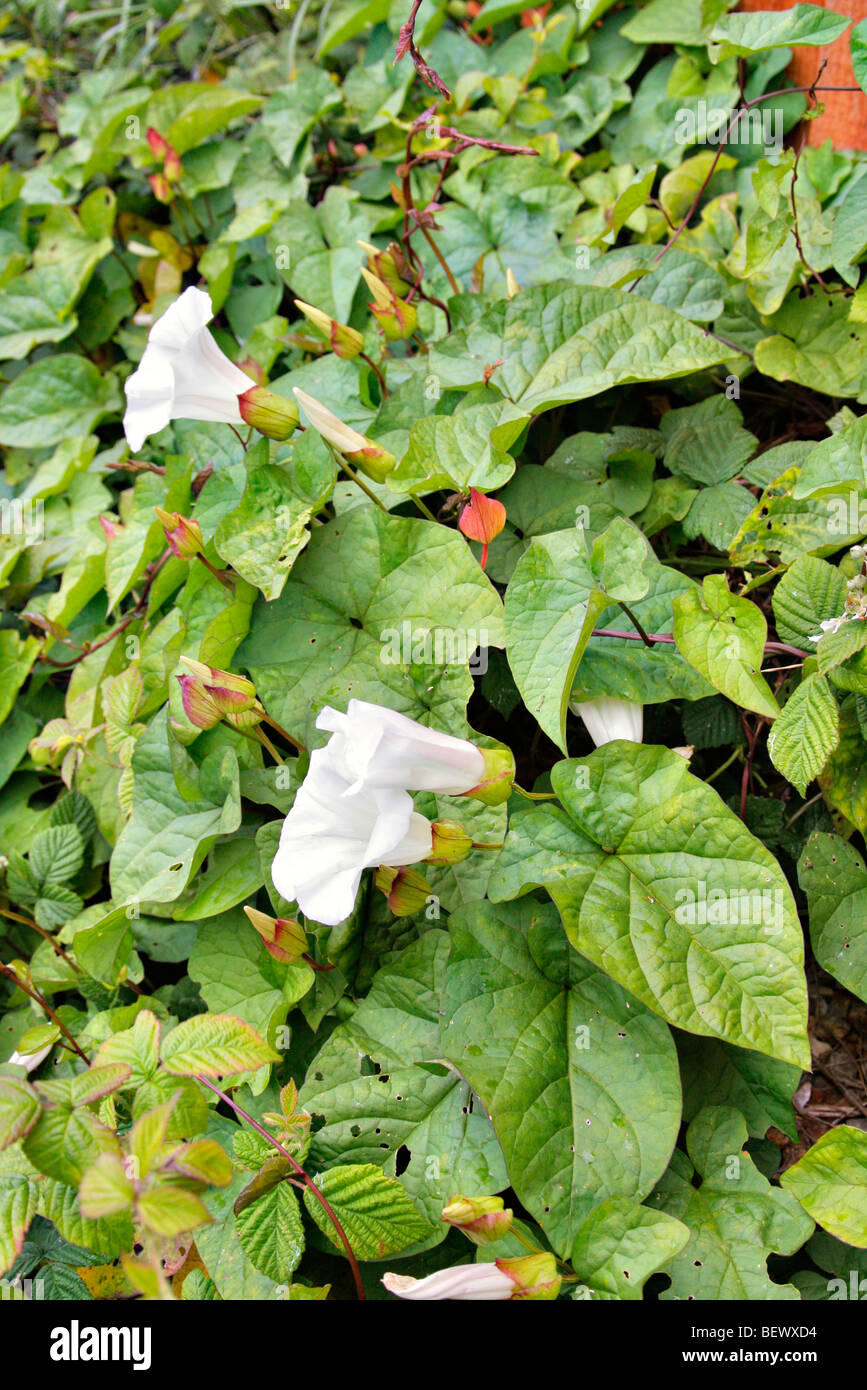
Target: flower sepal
point(284, 938)
point(495, 787)
point(270, 414)
point(451, 843)
point(483, 1220)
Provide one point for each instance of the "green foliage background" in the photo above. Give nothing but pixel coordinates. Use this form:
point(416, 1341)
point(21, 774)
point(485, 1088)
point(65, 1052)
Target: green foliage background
point(651, 349)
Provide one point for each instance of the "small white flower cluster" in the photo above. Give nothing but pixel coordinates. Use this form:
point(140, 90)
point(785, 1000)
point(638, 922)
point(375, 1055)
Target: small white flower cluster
point(354, 811)
point(855, 607)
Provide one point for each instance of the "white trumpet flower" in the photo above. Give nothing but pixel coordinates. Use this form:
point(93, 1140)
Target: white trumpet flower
point(377, 747)
point(184, 375)
point(608, 718)
point(332, 834)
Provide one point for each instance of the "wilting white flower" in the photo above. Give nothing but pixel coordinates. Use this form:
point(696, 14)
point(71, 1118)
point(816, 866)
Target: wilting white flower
point(469, 1283)
point(183, 374)
point(377, 747)
point(30, 1060)
point(332, 834)
point(607, 719)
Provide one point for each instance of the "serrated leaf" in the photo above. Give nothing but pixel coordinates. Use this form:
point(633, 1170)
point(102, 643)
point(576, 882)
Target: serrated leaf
point(65, 1142)
point(214, 1045)
point(137, 1047)
point(56, 855)
point(17, 1208)
point(810, 592)
point(107, 1236)
point(105, 1189)
point(832, 874)
point(271, 1232)
point(170, 1211)
point(19, 1110)
point(661, 885)
point(806, 733)
point(374, 1211)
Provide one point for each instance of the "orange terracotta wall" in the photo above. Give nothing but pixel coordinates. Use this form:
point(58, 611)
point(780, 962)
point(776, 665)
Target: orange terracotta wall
point(845, 115)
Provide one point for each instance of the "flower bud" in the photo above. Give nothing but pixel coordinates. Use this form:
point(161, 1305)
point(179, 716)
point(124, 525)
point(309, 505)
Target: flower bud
point(183, 535)
point(512, 286)
point(110, 526)
point(345, 342)
point(199, 708)
point(210, 695)
point(56, 737)
point(376, 462)
point(482, 519)
point(270, 414)
point(534, 1276)
point(390, 266)
point(450, 843)
point(396, 316)
point(483, 1220)
point(230, 693)
point(496, 785)
point(161, 149)
point(161, 188)
point(285, 939)
point(405, 890)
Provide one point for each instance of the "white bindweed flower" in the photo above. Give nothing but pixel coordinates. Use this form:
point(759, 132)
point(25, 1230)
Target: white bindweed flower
point(332, 834)
point(377, 747)
point(184, 375)
point(608, 718)
point(469, 1283)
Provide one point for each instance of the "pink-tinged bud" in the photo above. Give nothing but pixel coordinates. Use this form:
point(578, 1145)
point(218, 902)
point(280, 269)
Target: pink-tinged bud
point(111, 527)
point(253, 369)
point(161, 188)
point(270, 414)
point(285, 939)
point(406, 891)
point(496, 785)
point(161, 149)
point(483, 1220)
point(397, 317)
point(450, 843)
point(183, 535)
point(159, 146)
point(482, 519)
point(534, 1276)
point(198, 705)
point(232, 694)
point(345, 342)
point(173, 169)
